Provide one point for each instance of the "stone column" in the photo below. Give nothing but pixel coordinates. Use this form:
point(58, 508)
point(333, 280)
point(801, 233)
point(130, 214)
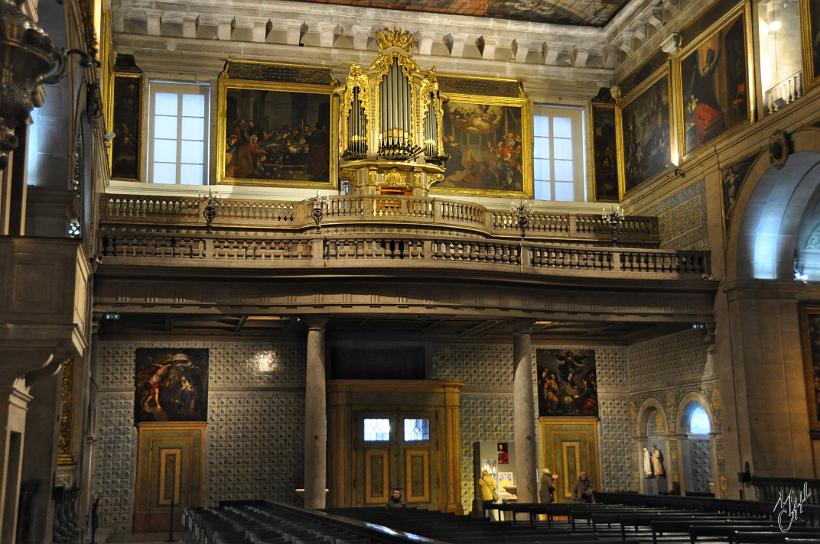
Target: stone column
point(526, 467)
point(315, 417)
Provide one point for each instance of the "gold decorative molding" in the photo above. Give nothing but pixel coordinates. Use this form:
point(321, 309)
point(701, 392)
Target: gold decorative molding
point(395, 37)
point(64, 441)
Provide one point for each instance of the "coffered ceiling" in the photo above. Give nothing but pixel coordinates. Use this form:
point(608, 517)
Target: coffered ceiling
point(567, 12)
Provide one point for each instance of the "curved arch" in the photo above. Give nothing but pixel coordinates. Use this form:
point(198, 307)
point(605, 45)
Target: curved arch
point(763, 230)
point(643, 417)
point(688, 398)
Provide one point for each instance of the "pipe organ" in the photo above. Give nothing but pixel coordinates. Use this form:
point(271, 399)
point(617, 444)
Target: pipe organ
point(391, 118)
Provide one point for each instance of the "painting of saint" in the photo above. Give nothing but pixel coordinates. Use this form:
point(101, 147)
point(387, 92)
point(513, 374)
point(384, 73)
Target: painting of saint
point(813, 370)
point(646, 141)
point(732, 179)
point(567, 385)
point(125, 147)
point(484, 144)
point(714, 79)
point(606, 162)
point(277, 135)
point(171, 385)
point(814, 19)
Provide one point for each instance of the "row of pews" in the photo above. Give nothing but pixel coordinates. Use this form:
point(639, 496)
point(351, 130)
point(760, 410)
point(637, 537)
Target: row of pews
point(262, 522)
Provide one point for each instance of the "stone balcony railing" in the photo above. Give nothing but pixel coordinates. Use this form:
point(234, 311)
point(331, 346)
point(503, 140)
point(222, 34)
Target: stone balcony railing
point(271, 252)
point(347, 212)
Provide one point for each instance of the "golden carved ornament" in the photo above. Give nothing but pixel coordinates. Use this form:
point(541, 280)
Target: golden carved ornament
point(436, 178)
point(395, 37)
point(416, 179)
point(64, 441)
point(373, 176)
point(394, 177)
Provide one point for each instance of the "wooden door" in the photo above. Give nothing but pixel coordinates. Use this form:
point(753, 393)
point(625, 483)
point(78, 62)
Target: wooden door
point(570, 446)
point(169, 471)
point(376, 475)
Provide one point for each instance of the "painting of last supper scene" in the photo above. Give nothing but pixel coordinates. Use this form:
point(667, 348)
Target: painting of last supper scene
point(276, 136)
point(171, 385)
point(485, 147)
point(567, 385)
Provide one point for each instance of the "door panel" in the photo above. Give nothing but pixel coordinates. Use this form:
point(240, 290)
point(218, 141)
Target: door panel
point(570, 446)
point(417, 475)
point(376, 476)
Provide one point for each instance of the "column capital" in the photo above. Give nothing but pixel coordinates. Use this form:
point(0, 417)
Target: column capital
point(316, 323)
point(522, 326)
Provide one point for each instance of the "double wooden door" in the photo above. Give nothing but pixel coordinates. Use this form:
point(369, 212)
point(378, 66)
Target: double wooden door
point(396, 450)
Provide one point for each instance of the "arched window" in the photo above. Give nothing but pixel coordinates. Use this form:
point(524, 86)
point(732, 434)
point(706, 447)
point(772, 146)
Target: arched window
point(698, 419)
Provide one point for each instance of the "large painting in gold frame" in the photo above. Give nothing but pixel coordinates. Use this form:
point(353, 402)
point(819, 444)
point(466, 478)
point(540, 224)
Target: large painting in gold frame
point(489, 143)
point(645, 134)
point(810, 333)
point(810, 19)
point(712, 86)
point(276, 133)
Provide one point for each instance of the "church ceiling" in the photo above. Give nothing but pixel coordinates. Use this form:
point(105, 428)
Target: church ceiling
point(567, 12)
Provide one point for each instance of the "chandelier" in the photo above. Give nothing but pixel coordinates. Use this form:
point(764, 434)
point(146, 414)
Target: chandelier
point(391, 118)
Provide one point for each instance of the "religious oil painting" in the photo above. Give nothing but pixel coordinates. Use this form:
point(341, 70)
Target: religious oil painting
point(646, 133)
point(277, 136)
point(606, 153)
point(814, 36)
point(567, 384)
point(811, 327)
point(489, 147)
point(732, 179)
point(125, 150)
point(714, 85)
point(171, 384)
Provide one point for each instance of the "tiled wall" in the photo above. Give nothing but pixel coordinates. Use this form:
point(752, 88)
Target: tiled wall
point(255, 424)
point(682, 218)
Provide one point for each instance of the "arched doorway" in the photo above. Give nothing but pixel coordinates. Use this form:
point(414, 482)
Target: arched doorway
point(653, 448)
point(696, 449)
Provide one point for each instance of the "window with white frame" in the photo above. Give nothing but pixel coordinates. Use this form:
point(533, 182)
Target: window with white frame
point(559, 171)
point(178, 133)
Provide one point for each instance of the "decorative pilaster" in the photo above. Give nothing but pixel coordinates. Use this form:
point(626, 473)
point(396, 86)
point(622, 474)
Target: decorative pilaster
point(524, 417)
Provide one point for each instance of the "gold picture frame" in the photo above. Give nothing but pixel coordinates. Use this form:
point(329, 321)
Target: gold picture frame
point(638, 92)
point(226, 85)
point(811, 62)
point(717, 31)
point(812, 392)
point(521, 102)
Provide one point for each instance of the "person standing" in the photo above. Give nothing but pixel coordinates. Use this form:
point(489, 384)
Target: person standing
point(547, 486)
point(489, 493)
point(583, 488)
point(395, 499)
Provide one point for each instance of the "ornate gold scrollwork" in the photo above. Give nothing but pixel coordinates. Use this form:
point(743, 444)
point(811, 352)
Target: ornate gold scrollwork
point(395, 37)
point(394, 178)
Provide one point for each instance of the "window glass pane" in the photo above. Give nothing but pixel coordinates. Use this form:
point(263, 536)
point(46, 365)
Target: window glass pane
point(562, 148)
point(563, 171)
point(192, 152)
point(193, 128)
point(541, 125)
point(416, 429)
point(563, 192)
point(166, 103)
point(542, 148)
point(165, 172)
point(165, 127)
point(542, 190)
point(191, 174)
point(699, 421)
point(165, 150)
point(562, 127)
point(376, 430)
point(193, 105)
point(542, 169)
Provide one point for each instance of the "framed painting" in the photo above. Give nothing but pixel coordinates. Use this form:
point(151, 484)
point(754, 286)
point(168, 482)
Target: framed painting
point(605, 153)
point(811, 40)
point(171, 384)
point(489, 143)
point(713, 96)
point(279, 133)
point(645, 136)
point(810, 325)
point(126, 105)
point(567, 384)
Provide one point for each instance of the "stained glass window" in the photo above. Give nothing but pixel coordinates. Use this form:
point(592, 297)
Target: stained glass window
point(376, 430)
point(416, 429)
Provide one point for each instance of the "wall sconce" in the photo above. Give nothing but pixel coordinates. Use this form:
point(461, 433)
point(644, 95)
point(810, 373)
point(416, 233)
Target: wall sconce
point(212, 205)
point(522, 220)
point(28, 59)
point(317, 213)
point(613, 220)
